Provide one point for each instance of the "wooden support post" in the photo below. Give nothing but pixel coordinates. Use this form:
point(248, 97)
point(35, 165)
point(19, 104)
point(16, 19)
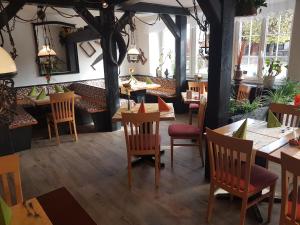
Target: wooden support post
point(219, 71)
point(107, 21)
point(180, 59)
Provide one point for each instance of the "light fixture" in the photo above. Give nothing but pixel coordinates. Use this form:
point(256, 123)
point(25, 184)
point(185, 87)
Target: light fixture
point(104, 4)
point(46, 51)
point(133, 54)
point(7, 65)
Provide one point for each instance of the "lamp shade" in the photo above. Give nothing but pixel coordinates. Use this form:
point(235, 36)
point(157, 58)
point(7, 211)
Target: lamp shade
point(46, 51)
point(7, 64)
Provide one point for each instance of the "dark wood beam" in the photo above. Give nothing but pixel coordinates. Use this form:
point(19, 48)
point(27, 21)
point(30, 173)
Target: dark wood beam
point(88, 18)
point(144, 7)
point(180, 61)
point(212, 10)
point(86, 34)
point(169, 22)
point(10, 11)
point(219, 70)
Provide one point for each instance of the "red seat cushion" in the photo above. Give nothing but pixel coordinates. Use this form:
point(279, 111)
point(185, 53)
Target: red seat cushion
point(183, 131)
point(298, 206)
point(194, 106)
point(260, 178)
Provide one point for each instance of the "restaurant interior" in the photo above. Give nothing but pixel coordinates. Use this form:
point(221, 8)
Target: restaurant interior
point(141, 112)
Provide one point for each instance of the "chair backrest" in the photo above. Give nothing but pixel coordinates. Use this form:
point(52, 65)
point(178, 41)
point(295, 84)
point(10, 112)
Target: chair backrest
point(198, 86)
point(290, 169)
point(201, 116)
point(10, 168)
point(141, 132)
point(230, 161)
point(288, 115)
point(243, 93)
point(62, 106)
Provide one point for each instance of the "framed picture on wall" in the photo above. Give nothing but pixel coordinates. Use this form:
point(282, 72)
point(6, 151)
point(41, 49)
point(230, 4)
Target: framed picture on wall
point(87, 48)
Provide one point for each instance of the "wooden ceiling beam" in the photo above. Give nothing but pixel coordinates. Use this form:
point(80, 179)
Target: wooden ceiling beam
point(92, 21)
point(212, 10)
point(169, 22)
point(10, 11)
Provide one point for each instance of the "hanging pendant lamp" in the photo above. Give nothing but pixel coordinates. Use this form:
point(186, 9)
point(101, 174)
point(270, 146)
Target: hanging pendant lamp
point(7, 64)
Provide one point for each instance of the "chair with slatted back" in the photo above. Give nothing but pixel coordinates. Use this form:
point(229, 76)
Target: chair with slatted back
point(62, 107)
point(142, 138)
point(232, 169)
point(288, 115)
point(10, 166)
point(200, 87)
point(186, 131)
point(243, 93)
point(290, 204)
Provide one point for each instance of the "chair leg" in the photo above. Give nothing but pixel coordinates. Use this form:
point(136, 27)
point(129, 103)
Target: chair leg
point(201, 150)
point(271, 202)
point(243, 211)
point(70, 128)
point(210, 202)
point(56, 133)
point(157, 171)
point(49, 130)
point(75, 130)
point(190, 116)
point(172, 151)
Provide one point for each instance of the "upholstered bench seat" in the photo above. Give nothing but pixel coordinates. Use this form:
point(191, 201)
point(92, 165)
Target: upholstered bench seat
point(22, 119)
point(90, 107)
point(162, 92)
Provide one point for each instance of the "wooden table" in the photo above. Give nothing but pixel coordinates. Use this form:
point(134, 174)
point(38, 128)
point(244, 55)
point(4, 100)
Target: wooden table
point(150, 107)
point(195, 97)
point(55, 208)
point(46, 101)
point(138, 86)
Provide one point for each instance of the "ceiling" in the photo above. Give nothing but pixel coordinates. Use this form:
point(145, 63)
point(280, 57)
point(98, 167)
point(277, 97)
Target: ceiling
point(185, 3)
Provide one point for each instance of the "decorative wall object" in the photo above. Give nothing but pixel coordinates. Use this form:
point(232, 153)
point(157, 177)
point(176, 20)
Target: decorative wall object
point(88, 48)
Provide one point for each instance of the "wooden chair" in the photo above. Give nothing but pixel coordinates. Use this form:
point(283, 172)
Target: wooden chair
point(62, 107)
point(232, 169)
point(243, 93)
point(185, 131)
point(10, 166)
point(142, 138)
point(200, 87)
point(288, 115)
point(290, 204)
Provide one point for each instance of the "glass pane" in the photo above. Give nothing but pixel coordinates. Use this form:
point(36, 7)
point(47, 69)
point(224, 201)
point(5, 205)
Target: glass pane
point(255, 46)
point(246, 28)
point(286, 22)
point(273, 25)
point(271, 45)
point(256, 26)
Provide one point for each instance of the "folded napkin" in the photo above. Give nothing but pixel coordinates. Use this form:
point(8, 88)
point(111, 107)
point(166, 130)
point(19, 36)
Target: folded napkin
point(42, 95)
point(162, 105)
point(33, 92)
point(297, 100)
point(148, 81)
point(142, 108)
point(66, 89)
point(5, 213)
point(58, 89)
point(241, 132)
point(272, 121)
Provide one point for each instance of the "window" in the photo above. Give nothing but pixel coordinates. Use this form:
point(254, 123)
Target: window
point(264, 37)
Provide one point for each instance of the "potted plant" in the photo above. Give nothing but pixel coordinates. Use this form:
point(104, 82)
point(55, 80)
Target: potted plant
point(249, 7)
point(274, 68)
point(238, 73)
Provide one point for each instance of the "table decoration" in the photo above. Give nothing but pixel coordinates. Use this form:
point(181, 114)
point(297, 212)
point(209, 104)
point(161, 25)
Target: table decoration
point(33, 92)
point(142, 108)
point(189, 94)
point(241, 132)
point(5, 213)
point(42, 95)
point(162, 105)
point(273, 121)
point(58, 89)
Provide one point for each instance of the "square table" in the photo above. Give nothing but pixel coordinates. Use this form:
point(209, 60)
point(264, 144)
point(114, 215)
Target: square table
point(46, 100)
point(150, 107)
point(195, 97)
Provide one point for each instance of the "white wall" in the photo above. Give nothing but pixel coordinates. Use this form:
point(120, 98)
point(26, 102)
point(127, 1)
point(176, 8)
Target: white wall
point(294, 64)
point(27, 67)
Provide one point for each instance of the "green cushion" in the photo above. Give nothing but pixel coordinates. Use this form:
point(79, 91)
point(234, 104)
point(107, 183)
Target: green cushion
point(58, 89)
point(242, 131)
point(42, 95)
point(272, 120)
point(33, 92)
point(66, 89)
point(5, 213)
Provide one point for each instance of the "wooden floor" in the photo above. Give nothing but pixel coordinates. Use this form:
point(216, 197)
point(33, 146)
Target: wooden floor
point(94, 171)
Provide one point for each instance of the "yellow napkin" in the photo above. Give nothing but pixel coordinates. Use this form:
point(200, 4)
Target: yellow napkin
point(66, 89)
point(42, 95)
point(33, 92)
point(58, 89)
point(241, 132)
point(272, 121)
point(5, 213)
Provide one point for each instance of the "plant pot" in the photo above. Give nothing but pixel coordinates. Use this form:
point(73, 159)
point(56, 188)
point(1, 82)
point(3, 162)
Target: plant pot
point(245, 8)
point(269, 82)
point(257, 114)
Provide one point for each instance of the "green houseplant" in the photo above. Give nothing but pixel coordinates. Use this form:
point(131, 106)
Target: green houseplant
point(273, 69)
point(249, 7)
